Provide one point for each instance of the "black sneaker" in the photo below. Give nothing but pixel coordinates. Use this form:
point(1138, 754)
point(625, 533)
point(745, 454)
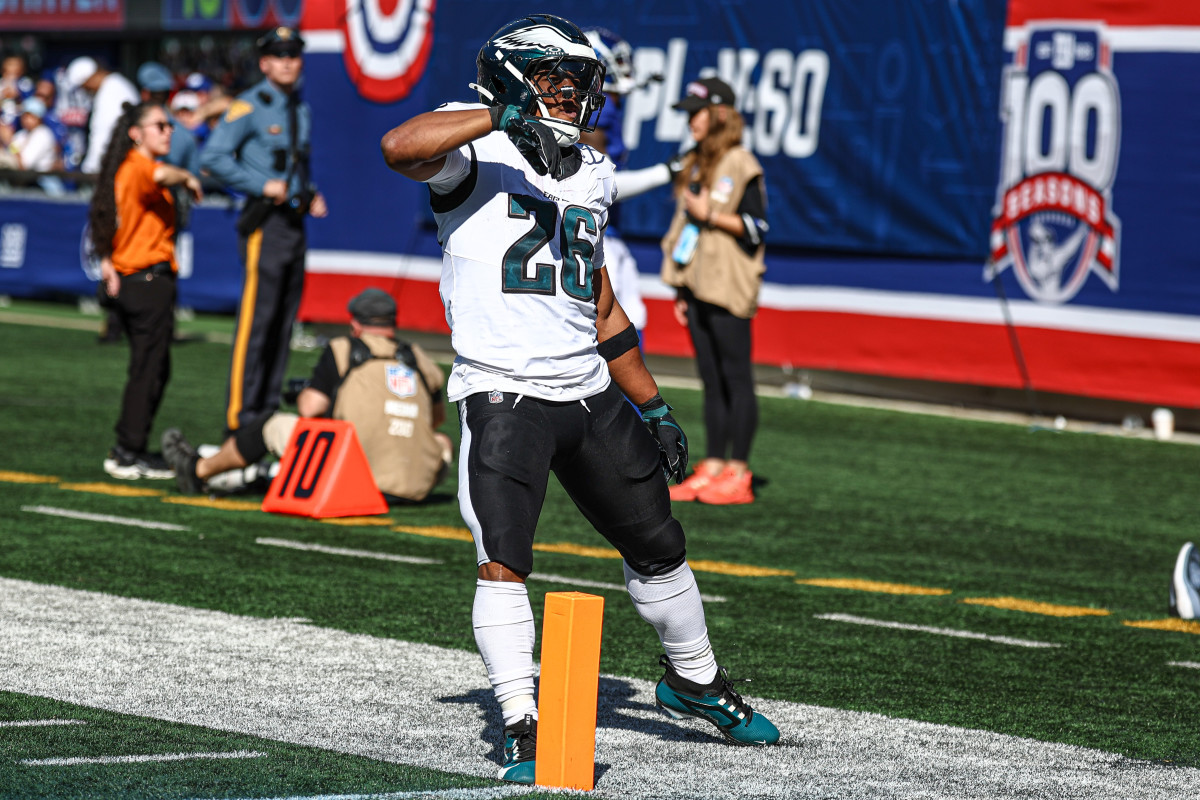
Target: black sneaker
point(128, 465)
point(717, 703)
point(520, 749)
point(182, 457)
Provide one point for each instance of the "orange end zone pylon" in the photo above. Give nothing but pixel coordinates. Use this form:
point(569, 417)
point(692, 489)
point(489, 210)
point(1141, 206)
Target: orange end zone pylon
point(567, 695)
point(324, 473)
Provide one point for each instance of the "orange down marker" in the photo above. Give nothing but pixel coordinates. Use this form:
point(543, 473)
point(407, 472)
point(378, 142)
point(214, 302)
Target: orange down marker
point(567, 696)
point(324, 473)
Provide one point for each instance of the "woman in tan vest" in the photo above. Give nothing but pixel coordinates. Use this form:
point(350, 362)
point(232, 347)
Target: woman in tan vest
point(713, 255)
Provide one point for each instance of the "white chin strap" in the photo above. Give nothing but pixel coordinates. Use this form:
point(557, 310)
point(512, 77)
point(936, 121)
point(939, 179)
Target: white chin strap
point(565, 133)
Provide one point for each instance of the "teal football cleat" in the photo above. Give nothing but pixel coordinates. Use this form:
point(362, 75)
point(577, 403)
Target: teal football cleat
point(520, 749)
point(717, 703)
point(1185, 583)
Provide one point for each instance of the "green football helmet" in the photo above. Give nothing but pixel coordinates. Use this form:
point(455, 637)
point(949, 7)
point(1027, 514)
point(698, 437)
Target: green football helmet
point(542, 46)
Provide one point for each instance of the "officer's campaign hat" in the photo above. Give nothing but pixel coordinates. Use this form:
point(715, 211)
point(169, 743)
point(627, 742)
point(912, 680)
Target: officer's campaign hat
point(373, 307)
point(281, 41)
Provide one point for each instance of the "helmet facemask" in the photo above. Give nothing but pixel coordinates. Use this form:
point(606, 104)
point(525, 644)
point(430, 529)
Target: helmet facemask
point(571, 83)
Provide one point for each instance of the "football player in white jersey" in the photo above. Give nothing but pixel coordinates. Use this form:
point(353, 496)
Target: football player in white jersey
point(544, 354)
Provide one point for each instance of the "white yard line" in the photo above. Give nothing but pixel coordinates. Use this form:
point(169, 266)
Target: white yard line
point(432, 707)
point(616, 587)
point(1185, 664)
point(146, 759)
point(38, 723)
point(488, 793)
point(130, 521)
point(345, 551)
point(904, 626)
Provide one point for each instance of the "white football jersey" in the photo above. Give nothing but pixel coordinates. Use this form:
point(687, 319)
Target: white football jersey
point(520, 251)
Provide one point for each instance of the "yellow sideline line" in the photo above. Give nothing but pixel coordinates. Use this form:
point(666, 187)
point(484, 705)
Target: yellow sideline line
point(112, 489)
point(1034, 607)
point(1170, 624)
point(568, 548)
point(214, 502)
point(872, 586)
point(25, 477)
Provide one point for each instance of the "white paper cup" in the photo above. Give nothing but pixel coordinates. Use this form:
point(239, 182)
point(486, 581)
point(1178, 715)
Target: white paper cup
point(1164, 423)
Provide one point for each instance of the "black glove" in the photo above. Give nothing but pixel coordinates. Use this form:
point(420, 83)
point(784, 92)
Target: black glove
point(535, 141)
point(672, 443)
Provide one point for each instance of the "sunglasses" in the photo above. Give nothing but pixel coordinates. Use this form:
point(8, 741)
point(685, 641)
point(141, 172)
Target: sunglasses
point(163, 127)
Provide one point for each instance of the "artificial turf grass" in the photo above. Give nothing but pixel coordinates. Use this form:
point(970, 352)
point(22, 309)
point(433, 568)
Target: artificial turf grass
point(285, 770)
point(982, 509)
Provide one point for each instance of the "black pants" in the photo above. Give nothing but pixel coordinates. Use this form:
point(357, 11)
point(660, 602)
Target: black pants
point(600, 452)
point(273, 257)
point(722, 344)
point(146, 307)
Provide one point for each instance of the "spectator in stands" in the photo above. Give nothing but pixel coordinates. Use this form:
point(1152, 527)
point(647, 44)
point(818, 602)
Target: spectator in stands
point(110, 92)
point(132, 224)
point(33, 147)
point(390, 390)
point(73, 107)
point(47, 92)
point(713, 256)
point(184, 106)
point(15, 83)
point(211, 103)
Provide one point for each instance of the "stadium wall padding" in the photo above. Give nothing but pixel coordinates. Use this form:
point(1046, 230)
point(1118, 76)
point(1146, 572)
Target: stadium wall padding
point(923, 162)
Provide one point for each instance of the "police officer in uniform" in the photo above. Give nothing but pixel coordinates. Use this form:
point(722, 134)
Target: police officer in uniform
point(389, 389)
point(261, 149)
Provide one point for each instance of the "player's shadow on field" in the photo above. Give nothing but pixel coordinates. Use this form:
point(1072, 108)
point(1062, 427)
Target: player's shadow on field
point(616, 697)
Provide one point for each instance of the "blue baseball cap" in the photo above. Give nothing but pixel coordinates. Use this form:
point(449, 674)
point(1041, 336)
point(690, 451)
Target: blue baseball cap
point(198, 82)
point(154, 77)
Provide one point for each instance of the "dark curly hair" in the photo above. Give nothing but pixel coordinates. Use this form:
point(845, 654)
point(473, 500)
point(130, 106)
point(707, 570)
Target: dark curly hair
point(102, 214)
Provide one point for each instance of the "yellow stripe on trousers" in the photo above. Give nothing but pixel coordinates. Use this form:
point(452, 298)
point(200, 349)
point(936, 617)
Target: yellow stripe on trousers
point(244, 324)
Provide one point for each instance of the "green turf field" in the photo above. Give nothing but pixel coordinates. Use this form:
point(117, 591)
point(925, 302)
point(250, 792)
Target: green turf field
point(1060, 540)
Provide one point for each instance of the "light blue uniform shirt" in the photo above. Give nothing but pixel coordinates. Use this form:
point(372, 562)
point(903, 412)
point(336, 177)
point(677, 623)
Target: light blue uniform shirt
point(256, 124)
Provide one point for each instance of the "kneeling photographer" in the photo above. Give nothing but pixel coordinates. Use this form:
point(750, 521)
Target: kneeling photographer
point(389, 389)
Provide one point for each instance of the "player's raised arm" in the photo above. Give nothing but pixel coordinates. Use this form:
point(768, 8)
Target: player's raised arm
point(417, 148)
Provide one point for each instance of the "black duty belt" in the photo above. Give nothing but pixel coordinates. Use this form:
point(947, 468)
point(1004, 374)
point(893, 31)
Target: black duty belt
point(149, 273)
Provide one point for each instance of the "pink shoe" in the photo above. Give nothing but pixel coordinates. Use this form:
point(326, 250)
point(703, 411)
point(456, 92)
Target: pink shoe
point(686, 492)
point(728, 489)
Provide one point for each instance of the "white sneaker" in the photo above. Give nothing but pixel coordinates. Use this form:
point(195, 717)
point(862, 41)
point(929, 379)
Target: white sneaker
point(1185, 583)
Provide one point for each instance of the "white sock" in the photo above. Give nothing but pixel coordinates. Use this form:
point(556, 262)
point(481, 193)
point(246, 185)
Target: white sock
point(504, 633)
point(671, 603)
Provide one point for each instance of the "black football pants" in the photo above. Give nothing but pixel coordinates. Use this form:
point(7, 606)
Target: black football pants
point(273, 257)
point(146, 307)
point(600, 452)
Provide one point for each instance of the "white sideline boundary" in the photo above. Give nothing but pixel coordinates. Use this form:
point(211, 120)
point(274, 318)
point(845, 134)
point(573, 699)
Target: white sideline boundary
point(38, 723)
point(143, 759)
point(432, 707)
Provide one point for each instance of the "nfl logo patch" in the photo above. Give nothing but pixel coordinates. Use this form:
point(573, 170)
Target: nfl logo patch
point(495, 397)
point(401, 380)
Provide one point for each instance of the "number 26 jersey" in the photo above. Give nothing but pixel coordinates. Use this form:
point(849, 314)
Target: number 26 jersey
point(519, 255)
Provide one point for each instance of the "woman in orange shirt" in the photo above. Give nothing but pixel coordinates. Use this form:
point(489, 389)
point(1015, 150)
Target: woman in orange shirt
point(132, 220)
